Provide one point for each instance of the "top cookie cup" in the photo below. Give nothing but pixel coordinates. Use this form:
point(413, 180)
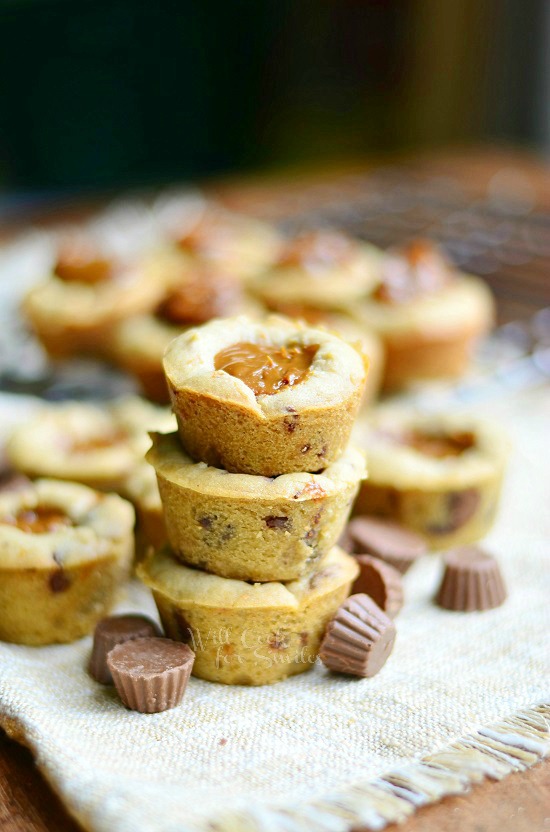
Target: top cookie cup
point(286, 403)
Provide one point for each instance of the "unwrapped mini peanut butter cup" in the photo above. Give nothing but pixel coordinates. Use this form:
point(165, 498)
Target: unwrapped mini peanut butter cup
point(359, 638)
point(116, 629)
point(388, 541)
point(151, 674)
point(471, 581)
point(381, 582)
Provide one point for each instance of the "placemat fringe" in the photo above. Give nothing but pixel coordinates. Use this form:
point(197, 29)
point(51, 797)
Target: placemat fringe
point(509, 745)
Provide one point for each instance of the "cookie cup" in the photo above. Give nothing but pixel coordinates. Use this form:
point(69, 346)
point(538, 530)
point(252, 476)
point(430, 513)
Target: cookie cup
point(303, 427)
point(249, 527)
point(56, 583)
point(238, 243)
point(142, 490)
point(325, 285)
point(99, 447)
point(138, 345)
point(433, 336)
point(450, 499)
point(242, 633)
point(75, 317)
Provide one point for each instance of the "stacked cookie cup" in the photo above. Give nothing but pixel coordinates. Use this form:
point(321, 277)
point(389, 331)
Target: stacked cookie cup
point(256, 487)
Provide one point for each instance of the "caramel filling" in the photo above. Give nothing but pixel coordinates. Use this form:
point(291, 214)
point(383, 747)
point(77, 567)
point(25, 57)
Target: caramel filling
point(97, 443)
point(39, 520)
point(205, 295)
point(79, 262)
point(210, 236)
point(301, 311)
point(439, 445)
point(266, 369)
point(317, 250)
point(415, 270)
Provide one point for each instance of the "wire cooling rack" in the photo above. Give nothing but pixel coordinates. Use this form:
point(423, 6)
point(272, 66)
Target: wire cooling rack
point(499, 234)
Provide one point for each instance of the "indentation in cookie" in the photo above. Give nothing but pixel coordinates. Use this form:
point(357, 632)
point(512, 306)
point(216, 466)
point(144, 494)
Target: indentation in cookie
point(38, 520)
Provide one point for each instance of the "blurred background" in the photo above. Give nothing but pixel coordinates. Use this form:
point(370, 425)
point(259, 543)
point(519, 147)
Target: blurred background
point(108, 94)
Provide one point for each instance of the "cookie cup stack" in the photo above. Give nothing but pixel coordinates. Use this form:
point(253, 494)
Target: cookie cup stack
point(256, 488)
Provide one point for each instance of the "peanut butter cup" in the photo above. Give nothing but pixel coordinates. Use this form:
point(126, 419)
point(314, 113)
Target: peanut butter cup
point(359, 638)
point(381, 582)
point(471, 581)
point(385, 540)
point(151, 674)
point(116, 629)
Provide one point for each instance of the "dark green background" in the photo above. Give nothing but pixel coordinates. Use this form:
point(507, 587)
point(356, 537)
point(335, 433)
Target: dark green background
point(97, 94)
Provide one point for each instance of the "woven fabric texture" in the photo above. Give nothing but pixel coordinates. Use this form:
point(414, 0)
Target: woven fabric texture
point(318, 751)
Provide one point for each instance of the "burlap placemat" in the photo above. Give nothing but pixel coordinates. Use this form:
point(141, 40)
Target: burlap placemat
point(463, 696)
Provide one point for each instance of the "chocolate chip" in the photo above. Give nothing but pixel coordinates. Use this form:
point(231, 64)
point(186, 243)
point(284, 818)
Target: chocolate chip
point(305, 449)
point(461, 506)
point(59, 582)
point(207, 521)
point(273, 522)
point(291, 423)
point(228, 533)
point(184, 630)
point(323, 452)
point(279, 641)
